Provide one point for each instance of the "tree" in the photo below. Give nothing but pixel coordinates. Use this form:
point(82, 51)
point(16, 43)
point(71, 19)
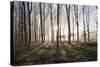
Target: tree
point(52, 29)
point(87, 21)
point(73, 20)
point(96, 21)
point(68, 19)
point(41, 22)
point(57, 32)
point(60, 23)
point(24, 22)
point(44, 23)
point(76, 20)
point(35, 23)
point(84, 24)
point(19, 24)
point(29, 18)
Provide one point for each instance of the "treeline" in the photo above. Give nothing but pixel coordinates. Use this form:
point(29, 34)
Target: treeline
point(30, 22)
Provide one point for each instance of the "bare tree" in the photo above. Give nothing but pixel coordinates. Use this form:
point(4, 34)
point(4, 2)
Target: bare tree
point(68, 19)
point(57, 32)
point(52, 29)
point(35, 22)
point(24, 22)
point(29, 13)
point(44, 23)
point(87, 21)
point(35, 27)
point(73, 20)
point(59, 23)
point(84, 24)
point(41, 22)
point(19, 25)
point(96, 21)
point(76, 20)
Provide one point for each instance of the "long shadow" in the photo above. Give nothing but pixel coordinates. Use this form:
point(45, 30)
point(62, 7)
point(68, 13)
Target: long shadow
point(26, 52)
point(79, 54)
point(39, 55)
point(66, 56)
point(46, 54)
point(43, 55)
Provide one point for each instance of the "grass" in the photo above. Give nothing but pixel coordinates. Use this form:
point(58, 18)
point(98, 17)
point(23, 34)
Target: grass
point(46, 53)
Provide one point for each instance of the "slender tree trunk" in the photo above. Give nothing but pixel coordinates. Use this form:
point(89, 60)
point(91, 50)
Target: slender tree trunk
point(41, 22)
point(77, 32)
point(96, 21)
point(73, 31)
point(57, 34)
point(87, 20)
point(48, 34)
point(35, 27)
point(68, 19)
point(25, 31)
point(84, 25)
point(73, 26)
point(29, 13)
point(39, 34)
point(57, 25)
point(52, 30)
point(60, 31)
point(76, 19)
point(22, 23)
point(19, 35)
point(19, 25)
point(44, 25)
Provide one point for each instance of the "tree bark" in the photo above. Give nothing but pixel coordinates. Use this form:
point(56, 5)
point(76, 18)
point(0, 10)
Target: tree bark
point(52, 30)
point(25, 31)
point(76, 19)
point(29, 13)
point(87, 20)
point(41, 22)
point(57, 49)
point(84, 25)
point(68, 19)
point(73, 26)
point(35, 26)
point(44, 25)
point(21, 22)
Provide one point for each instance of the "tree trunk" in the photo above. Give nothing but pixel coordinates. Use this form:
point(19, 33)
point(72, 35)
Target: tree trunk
point(84, 25)
point(35, 27)
point(73, 26)
point(87, 20)
point(25, 31)
point(60, 31)
point(22, 22)
point(41, 22)
point(68, 19)
point(19, 32)
point(29, 13)
point(44, 25)
point(52, 30)
point(76, 19)
point(57, 34)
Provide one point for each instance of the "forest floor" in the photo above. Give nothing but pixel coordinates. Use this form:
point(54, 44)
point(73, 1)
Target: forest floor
point(47, 53)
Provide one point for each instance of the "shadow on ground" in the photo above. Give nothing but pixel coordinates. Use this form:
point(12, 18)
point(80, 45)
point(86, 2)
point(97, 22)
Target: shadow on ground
point(46, 53)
